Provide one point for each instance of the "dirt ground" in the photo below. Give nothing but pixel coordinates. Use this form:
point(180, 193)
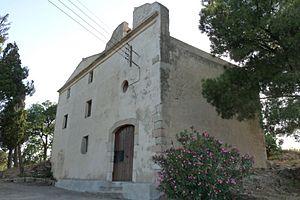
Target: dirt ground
point(19, 191)
point(280, 181)
point(273, 184)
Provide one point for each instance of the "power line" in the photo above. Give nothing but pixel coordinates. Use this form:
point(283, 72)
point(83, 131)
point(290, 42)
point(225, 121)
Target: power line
point(85, 28)
point(81, 18)
point(113, 39)
point(89, 17)
point(128, 50)
point(92, 13)
point(75, 21)
point(127, 56)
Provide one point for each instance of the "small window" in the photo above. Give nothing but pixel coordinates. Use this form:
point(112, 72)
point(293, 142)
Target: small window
point(68, 93)
point(65, 121)
point(88, 108)
point(91, 76)
point(84, 144)
point(125, 86)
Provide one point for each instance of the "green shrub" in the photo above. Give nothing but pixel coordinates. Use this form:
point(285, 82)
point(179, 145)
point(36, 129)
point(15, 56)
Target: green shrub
point(202, 168)
point(273, 149)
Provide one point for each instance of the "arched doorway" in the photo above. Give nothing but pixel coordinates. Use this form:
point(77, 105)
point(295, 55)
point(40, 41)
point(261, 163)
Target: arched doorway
point(123, 153)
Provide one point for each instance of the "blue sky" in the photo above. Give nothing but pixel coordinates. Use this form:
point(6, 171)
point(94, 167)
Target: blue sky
point(52, 45)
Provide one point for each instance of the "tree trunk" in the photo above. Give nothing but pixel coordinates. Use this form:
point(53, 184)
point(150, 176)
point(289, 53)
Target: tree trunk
point(45, 144)
point(16, 162)
point(21, 166)
point(9, 159)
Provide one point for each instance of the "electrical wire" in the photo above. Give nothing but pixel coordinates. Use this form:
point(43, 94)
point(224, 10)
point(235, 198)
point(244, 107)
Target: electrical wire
point(113, 39)
point(89, 30)
point(126, 57)
point(75, 20)
point(102, 28)
point(81, 18)
point(92, 13)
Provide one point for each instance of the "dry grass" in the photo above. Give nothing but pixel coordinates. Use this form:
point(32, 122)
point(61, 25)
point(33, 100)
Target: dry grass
point(287, 159)
point(280, 181)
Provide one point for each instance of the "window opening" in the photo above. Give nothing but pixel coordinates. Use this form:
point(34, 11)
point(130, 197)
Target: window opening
point(65, 121)
point(68, 93)
point(84, 144)
point(88, 108)
point(125, 86)
point(91, 76)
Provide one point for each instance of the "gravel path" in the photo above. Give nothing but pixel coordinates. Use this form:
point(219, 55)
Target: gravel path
point(21, 191)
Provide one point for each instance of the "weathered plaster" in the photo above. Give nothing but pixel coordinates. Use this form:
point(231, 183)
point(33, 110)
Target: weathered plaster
point(184, 106)
point(110, 107)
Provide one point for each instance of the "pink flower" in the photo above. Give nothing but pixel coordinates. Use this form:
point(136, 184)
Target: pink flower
point(224, 150)
point(205, 134)
point(232, 181)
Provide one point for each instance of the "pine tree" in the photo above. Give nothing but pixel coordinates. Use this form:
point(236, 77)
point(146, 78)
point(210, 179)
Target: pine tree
point(4, 26)
point(263, 38)
point(13, 90)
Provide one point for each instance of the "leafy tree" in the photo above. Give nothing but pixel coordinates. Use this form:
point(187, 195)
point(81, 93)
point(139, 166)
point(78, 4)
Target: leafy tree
point(13, 90)
point(263, 38)
point(3, 160)
point(4, 26)
point(12, 128)
point(32, 150)
point(272, 148)
point(40, 128)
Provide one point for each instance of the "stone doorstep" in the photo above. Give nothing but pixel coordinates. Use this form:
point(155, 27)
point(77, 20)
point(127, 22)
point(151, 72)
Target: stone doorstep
point(110, 195)
point(113, 190)
point(29, 180)
point(110, 189)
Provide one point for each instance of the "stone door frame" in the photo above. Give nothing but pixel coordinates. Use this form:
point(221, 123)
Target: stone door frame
point(111, 144)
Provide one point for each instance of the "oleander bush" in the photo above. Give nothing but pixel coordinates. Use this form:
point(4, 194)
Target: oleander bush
point(202, 168)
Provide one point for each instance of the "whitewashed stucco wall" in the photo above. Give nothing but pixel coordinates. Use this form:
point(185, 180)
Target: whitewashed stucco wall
point(110, 106)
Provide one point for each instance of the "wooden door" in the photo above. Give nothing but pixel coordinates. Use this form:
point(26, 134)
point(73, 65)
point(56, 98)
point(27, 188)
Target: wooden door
point(123, 154)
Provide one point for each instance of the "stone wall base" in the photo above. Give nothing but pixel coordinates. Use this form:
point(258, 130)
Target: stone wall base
point(116, 190)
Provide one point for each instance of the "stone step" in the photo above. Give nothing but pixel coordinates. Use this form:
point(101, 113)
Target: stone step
point(110, 188)
point(110, 195)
